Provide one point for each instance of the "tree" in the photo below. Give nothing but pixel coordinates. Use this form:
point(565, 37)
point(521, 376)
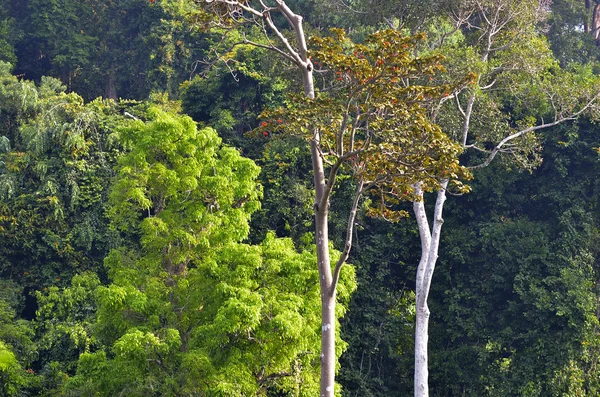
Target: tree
point(190, 309)
point(55, 169)
point(495, 32)
point(341, 136)
point(374, 124)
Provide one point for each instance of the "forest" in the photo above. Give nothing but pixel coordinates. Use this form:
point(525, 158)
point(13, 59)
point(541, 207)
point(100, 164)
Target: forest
point(299, 198)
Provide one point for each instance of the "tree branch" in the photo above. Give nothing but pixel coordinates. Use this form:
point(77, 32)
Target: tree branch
point(509, 138)
point(349, 233)
point(424, 234)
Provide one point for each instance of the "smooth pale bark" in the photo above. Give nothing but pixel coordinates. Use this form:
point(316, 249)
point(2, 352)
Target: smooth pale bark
point(327, 279)
point(430, 242)
point(325, 276)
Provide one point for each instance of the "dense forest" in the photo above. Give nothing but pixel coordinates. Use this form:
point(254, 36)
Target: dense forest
point(300, 198)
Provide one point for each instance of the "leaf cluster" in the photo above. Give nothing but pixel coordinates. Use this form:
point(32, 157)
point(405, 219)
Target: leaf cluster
point(371, 118)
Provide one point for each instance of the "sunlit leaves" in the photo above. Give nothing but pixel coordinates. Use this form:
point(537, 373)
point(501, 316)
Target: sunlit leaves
point(371, 117)
point(54, 172)
point(180, 187)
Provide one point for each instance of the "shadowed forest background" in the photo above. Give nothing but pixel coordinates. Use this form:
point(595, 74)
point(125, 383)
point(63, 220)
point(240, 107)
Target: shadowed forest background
point(156, 232)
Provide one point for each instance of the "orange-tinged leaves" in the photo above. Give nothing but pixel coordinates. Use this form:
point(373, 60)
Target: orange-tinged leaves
point(375, 106)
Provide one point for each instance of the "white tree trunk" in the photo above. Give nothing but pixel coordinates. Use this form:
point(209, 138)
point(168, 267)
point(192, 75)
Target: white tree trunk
point(328, 293)
point(297, 52)
point(430, 241)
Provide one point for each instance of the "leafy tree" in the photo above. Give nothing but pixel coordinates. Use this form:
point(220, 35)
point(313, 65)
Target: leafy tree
point(64, 322)
point(17, 350)
point(287, 204)
point(56, 166)
point(191, 309)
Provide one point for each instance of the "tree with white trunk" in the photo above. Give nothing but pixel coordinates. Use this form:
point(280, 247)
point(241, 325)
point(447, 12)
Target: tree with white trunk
point(369, 121)
point(500, 41)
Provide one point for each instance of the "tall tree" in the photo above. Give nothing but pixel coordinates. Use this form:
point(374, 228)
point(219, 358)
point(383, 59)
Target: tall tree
point(341, 136)
point(495, 34)
point(191, 309)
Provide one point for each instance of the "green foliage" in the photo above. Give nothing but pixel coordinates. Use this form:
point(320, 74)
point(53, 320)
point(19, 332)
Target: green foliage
point(125, 48)
point(7, 37)
point(64, 320)
point(519, 280)
point(372, 120)
point(191, 309)
point(231, 95)
point(11, 374)
point(179, 188)
point(54, 172)
point(244, 320)
point(287, 207)
point(17, 349)
point(568, 38)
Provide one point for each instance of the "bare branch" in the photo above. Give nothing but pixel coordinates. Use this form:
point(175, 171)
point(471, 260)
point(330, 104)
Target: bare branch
point(349, 234)
point(270, 47)
point(503, 142)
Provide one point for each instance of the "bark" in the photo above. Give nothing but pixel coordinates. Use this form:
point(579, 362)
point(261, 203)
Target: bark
point(325, 276)
point(586, 25)
point(596, 23)
point(327, 286)
point(430, 241)
point(110, 91)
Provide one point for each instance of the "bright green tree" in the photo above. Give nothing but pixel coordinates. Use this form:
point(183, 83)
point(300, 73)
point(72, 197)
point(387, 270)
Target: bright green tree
point(190, 309)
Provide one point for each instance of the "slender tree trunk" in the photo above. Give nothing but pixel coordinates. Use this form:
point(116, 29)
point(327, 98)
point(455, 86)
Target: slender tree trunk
point(421, 353)
point(110, 91)
point(430, 242)
point(586, 21)
point(328, 294)
point(328, 356)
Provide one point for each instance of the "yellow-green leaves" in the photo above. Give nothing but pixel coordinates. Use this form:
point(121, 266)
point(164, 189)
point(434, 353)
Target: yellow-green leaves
point(178, 186)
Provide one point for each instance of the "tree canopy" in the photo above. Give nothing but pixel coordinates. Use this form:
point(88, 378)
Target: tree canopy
point(183, 185)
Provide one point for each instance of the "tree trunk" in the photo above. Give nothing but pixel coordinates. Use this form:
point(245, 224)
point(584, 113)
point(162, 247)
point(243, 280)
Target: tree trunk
point(596, 23)
point(430, 242)
point(110, 91)
point(328, 357)
point(586, 23)
point(328, 294)
point(421, 354)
